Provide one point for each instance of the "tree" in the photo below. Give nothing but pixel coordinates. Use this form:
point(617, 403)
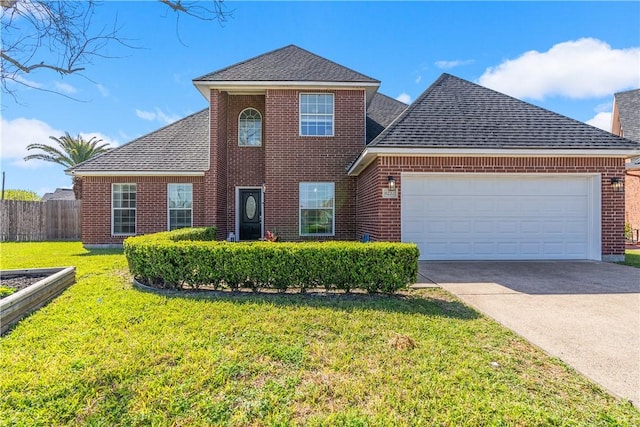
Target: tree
point(60, 36)
point(72, 152)
point(27, 195)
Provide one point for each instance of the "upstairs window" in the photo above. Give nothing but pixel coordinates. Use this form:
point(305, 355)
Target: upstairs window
point(316, 114)
point(180, 205)
point(123, 202)
point(250, 128)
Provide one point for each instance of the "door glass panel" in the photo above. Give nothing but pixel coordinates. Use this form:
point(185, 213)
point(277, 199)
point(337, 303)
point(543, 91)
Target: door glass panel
point(250, 207)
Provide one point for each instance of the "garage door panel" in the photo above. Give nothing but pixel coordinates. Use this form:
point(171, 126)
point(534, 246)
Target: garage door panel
point(458, 216)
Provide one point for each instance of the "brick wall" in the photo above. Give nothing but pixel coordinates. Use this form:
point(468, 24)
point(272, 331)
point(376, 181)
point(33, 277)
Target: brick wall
point(386, 225)
point(245, 165)
point(215, 196)
point(151, 213)
point(291, 159)
point(632, 198)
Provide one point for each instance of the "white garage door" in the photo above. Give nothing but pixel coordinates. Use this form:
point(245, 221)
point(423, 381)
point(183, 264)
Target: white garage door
point(501, 216)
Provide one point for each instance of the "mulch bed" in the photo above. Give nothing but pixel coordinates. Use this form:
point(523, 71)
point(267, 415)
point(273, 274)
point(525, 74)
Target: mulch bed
point(21, 282)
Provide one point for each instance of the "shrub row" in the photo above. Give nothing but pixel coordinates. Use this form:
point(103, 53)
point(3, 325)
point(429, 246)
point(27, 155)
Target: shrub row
point(184, 258)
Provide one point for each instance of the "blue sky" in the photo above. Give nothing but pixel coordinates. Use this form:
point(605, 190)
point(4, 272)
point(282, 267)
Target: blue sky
point(567, 57)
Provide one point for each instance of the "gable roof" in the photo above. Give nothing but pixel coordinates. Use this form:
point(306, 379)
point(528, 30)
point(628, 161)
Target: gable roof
point(290, 64)
point(457, 117)
point(179, 148)
point(381, 112)
point(628, 105)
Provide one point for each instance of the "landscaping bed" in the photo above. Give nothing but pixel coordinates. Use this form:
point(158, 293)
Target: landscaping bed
point(17, 283)
point(24, 291)
point(188, 258)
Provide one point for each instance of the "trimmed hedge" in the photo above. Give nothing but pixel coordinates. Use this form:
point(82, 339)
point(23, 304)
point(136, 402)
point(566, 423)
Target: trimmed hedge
point(188, 258)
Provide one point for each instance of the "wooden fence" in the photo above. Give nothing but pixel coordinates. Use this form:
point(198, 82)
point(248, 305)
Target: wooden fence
point(36, 221)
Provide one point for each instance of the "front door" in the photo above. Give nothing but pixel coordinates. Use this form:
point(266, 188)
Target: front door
point(250, 226)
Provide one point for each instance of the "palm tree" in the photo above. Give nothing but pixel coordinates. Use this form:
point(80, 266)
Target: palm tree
point(72, 152)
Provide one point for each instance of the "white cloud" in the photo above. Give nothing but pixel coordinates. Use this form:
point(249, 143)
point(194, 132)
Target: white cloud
point(29, 83)
point(146, 115)
point(20, 132)
point(103, 90)
point(578, 69)
point(112, 143)
point(64, 88)
point(418, 79)
point(603, 107)
point(601, 120)
point(157, 115)
point(404, 97)
point(445, 65)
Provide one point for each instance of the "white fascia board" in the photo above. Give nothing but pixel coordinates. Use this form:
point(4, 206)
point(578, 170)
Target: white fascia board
point(369, 154)
point(258, 87)
point(135, 173)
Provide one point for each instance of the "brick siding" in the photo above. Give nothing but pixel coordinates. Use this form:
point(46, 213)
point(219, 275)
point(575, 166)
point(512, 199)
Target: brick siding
point(380, 218)
point(291, 159)
point(151, 212)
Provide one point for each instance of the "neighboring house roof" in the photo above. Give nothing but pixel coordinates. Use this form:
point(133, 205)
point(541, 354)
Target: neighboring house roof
point(459, 117)
point(628, 105)
point(291, 64)
point(59, 194)
point(179, 148)
point(381, 112)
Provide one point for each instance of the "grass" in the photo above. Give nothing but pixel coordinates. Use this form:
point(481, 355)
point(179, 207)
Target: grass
point(104, 353)
point(632, 258)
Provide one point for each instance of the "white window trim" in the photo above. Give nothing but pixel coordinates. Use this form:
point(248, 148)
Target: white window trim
point(333, 208)
point(169, 209)
point(113, 233)
point(261, 123)
point(333, 115)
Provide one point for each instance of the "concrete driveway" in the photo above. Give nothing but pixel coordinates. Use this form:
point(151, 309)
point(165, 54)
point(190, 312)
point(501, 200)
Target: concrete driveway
point(586, 313)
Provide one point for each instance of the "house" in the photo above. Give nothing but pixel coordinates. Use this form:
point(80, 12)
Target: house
point(294, 143)
point(626, 122)
point(59, 194)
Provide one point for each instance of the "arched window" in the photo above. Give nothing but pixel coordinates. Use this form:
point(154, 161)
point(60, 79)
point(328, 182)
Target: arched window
point(250, 128)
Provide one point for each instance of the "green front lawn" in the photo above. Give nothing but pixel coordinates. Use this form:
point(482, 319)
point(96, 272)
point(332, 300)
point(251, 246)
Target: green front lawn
point(106, 354)
point(632, 257)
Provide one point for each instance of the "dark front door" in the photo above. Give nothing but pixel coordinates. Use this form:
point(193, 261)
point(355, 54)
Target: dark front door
point(250, 214)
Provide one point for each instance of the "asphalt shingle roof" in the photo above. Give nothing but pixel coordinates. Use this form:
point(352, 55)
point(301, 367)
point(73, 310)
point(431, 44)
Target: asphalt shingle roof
point(381, 112)
point(59, 194)
point(628, 104)
point(455, 113)
point(289, 63)
point(182, 146)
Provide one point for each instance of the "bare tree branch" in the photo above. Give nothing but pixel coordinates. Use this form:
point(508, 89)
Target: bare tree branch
point(61, 36)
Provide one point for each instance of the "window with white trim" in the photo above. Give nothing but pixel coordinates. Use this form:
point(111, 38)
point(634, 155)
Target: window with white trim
point(317, 212)
point(316, 114)
point(180, 202)
point(123, 202)
point(250, 128)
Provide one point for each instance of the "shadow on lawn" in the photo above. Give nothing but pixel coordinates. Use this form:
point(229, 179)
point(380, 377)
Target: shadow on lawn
point(102, 251)
point(413, 302)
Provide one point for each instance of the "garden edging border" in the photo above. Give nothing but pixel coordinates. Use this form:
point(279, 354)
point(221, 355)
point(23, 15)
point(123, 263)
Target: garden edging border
point(16, 306)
